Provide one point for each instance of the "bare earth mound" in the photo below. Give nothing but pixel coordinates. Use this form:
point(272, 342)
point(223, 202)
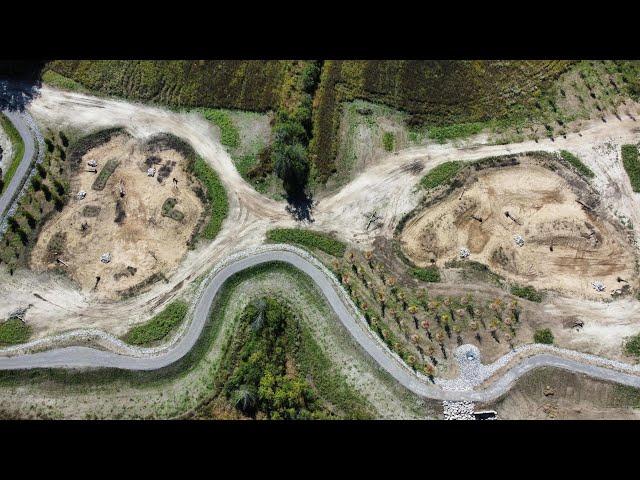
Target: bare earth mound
point(145, 231)
point(566, 246)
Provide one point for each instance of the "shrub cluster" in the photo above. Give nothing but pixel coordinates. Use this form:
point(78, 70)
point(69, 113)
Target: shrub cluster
point(428, 274)
point(528, 293)
point(543, 335)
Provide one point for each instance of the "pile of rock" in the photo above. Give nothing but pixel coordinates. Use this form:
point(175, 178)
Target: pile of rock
point(81, 194)
point(151, 172)
point(519, 240)
point(598, 286)
point(105, 257)
point(458, 410)
point(464, 252)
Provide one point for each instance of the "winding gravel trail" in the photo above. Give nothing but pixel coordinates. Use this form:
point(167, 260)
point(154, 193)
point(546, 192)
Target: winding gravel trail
point(338, 300)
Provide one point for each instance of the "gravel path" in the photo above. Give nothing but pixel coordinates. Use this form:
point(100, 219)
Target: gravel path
point(24, 124)
point(473, 372)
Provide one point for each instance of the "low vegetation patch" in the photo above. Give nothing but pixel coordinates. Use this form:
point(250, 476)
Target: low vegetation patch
point(528, 293)
point(169, 210)
point(229, 135)
point(452, 132)
point(309, 239)
point(388, 141)
point(14, 331)
point(428, 274)
point(159, 326)
point(632, 346)
point(632, 165)
point(577, 164)
point(544, 336)
point(440, 175)
point(17, 153)
point(101, 180)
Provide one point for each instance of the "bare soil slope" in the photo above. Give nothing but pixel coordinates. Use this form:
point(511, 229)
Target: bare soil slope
point(566, 247)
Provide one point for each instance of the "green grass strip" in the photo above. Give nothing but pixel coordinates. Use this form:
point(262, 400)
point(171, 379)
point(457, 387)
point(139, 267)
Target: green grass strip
point(229, 135)
point(159, 326)
point(217, 197)
point(440, 175)
point(577, 164)
point(452, 132)
point(632, 165)
point(309, 239)
point(18, 150)
point(14, 331)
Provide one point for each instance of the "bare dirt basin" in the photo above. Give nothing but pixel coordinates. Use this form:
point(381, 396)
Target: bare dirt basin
point(566, 246)
point(142, 240)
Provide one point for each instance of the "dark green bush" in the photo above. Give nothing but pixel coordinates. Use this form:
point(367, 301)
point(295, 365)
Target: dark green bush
point(528, 293)
point(428, 274)
point(543, 335)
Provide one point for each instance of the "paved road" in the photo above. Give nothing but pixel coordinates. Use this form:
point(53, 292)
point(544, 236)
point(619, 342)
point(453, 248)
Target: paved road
point(25, 164)
point(85, 357)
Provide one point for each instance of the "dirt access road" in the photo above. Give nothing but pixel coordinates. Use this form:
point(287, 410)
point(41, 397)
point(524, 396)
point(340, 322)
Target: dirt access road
point(388, 185)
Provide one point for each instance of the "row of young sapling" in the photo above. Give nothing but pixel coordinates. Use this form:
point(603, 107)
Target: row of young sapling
point(422, 328)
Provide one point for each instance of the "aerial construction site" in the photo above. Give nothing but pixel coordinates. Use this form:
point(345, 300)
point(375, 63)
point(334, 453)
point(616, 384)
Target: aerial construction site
point(296, 239)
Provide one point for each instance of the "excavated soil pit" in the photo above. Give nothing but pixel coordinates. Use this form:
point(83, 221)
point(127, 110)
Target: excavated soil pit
point(143, 242)
point(566, 246)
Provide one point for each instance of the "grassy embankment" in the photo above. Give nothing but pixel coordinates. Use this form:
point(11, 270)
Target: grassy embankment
point(17, 151)
point(14, 331)
point(159, 327)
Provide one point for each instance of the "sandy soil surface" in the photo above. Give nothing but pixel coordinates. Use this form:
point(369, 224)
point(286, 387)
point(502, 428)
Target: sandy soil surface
point(387, 186)
point(553, 394)
point(566, 247)
point(142, 243)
